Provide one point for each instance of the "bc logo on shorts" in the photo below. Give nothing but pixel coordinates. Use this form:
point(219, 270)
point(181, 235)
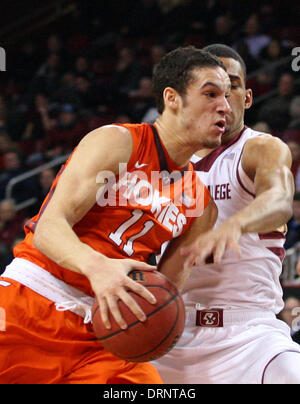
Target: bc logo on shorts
point(209, 318)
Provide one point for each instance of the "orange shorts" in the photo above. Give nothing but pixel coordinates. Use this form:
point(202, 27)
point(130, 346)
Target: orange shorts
point(40, 345)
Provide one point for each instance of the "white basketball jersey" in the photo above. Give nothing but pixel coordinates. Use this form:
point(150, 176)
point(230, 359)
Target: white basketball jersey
point(252, 280)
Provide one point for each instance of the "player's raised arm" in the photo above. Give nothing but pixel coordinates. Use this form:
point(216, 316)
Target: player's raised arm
point(74, 196)
point(172, 263)
point(266, 161)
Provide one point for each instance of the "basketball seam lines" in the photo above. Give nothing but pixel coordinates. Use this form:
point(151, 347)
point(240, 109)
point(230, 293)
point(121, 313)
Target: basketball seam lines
point(136, 322)
point(161, 342)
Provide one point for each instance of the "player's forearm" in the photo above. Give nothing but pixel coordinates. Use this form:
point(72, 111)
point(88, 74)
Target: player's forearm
point(57, 240)
point(267, 160)
point(266, 213)
point(172, 265)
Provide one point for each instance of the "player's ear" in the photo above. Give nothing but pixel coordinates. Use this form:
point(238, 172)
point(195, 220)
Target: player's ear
point(171, 98)
point(248, 98)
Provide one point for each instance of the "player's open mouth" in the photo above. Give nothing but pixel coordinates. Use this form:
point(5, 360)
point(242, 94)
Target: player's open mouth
point(221, 125)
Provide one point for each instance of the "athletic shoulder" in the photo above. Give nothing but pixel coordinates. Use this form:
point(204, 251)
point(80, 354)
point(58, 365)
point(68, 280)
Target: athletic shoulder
point(108, 134)
point(102, 149)
point(122, 142)
point(265, 150)
point(261, 142)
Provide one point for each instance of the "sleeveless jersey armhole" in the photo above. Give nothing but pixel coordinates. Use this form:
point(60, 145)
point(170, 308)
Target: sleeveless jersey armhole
point(136, 140)
point(245, 182)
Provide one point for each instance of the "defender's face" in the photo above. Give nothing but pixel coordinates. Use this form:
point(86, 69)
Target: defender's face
point(204, 107)
point(240, 98)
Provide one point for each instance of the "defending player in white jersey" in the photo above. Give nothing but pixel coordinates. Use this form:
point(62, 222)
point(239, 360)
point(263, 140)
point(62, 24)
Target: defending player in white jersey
point(232, 334)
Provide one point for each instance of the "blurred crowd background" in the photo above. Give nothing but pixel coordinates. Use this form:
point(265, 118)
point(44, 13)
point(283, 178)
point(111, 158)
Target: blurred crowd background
point(73, 66)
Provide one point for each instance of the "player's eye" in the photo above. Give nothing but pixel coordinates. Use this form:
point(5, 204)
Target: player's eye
point(211, 94)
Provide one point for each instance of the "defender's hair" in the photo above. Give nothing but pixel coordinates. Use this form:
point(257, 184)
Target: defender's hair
point(224, 51)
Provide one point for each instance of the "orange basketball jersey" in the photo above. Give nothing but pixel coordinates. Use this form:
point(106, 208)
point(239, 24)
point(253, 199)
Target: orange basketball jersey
point(149, 202)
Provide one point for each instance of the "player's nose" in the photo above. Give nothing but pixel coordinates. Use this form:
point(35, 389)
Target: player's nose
point(224, 107)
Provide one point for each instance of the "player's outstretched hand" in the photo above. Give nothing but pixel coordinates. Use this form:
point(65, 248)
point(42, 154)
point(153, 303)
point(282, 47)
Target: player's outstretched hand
point(213, 243)
point(112, 284)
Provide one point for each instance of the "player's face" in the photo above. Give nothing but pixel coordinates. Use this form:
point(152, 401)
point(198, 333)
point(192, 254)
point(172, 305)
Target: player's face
point(204, 107)
point(239, 100)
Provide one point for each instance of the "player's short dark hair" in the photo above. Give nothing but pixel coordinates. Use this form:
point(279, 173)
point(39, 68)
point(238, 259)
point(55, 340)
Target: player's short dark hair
point(224, 51)
point(297, 196)
point(175, 70)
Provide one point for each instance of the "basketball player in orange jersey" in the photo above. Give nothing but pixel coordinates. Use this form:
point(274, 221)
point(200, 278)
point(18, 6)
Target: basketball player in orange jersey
point(232, 335)
point(96, 225)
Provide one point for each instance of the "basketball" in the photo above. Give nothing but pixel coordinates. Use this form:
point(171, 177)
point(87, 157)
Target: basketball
point(149, 340)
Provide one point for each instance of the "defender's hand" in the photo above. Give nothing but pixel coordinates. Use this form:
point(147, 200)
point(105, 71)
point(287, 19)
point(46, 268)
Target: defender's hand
point(213, 243)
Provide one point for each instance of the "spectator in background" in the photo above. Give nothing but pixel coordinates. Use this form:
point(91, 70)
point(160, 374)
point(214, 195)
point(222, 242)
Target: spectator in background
point(254, 39)
point(141, 99)
point(10, 225)
point(276, 111)
point(82, 68)
point(127, 74)
point(123, 118)
point(65, 135)
point(272, 52)
point(156, 52)
point(144, 19)
point(48, 75)
point(11, 114)
point(251, 63)
point(289, 315)
point(261, 84)
point(295, 113)
point(293, 233)
point(6, 144)
point(39, 120)
point(8, 256)
point(293, 130)
point(223, 31)
point(261, 127)
point(294, 147)
point(102, 116)
point(87, 93)
point(67, 92)
point(44, 183)
point(151, 115)
point(54, 45)
point(3, 116)
point(51, 67)
point(26, 61)
point(12, 167)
